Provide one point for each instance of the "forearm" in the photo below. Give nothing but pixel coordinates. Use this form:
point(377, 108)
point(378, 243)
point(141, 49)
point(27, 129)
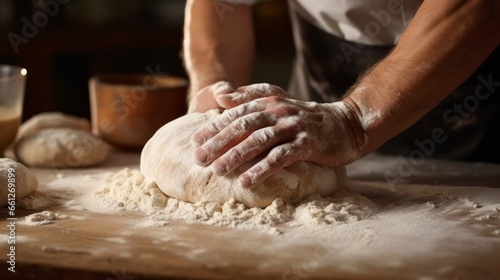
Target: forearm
point(444, 44)
point(218, 44)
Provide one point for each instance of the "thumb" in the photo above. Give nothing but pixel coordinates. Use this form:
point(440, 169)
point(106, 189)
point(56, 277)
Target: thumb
point(221, 89)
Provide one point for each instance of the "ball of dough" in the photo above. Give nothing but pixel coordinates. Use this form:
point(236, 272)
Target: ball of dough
point(61, 147)
point(168, 160)
point(52, 120)
point(22, 181)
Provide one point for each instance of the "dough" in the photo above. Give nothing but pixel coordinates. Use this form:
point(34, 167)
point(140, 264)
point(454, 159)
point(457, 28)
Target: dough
point(52, 120)
point(168, 160)
point(61, 147)
point(24, 181)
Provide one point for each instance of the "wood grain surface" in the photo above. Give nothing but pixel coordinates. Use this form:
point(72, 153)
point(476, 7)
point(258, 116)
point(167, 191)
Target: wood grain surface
point(112, 246)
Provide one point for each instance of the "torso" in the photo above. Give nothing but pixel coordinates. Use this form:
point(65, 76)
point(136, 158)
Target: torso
point(375, 22)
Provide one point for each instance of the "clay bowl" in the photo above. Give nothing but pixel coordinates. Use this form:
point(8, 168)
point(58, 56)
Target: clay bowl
point(127, 109)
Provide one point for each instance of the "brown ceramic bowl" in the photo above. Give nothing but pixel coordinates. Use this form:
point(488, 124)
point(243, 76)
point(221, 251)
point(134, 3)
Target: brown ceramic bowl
point(127, 109)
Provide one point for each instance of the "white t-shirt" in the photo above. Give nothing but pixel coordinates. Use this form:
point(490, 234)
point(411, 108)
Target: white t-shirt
point(370, 22)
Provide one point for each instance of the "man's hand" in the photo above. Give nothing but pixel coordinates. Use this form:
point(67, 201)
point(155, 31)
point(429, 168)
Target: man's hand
point(248, 93)
point(278, 131)
point(222, 95)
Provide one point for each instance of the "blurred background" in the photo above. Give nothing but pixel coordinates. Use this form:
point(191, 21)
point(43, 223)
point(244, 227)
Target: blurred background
point(62, 43)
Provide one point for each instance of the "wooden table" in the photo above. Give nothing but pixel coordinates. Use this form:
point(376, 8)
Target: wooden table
point(110, 246)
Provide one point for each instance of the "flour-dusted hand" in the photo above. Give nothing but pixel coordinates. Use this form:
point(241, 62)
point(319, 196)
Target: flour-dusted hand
point(278, 131)
point(248, 93)
point(222, 95)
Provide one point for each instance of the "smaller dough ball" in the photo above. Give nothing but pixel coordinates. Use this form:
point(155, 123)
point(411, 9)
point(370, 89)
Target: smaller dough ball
point(52, 120)
point(22, 178)
point(61, 147)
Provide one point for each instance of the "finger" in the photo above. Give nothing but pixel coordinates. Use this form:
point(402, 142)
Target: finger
point(248, 93)
point(209, 130)
point(277, 159)
point(258, 142)
point(221, 87)
point(230, 136)
point(205, 99)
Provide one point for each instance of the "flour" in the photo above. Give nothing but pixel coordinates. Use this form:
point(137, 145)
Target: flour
point(37, 200)
point(412, 230)
point(127, 190)
point(262, 88)
point(369, 115)
point(255, 91)
point(43, 218)
point(329, 211)
point(118, 192)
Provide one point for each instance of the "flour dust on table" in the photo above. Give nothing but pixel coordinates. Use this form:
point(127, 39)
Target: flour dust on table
point(128, 190)
point(368, 227)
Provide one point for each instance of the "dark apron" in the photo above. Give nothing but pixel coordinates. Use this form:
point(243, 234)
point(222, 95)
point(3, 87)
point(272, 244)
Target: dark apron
point(327, 66)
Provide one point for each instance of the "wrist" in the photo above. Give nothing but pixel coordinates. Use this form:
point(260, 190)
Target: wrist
point(353, 126)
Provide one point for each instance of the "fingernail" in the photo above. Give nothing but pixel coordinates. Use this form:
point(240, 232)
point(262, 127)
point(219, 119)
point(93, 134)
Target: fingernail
point(245, 181)
point(201, 155)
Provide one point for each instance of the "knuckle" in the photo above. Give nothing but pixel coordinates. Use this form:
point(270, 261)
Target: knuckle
point(280, 155)
point(274, 99)
point(289, 110)
point(221, 86)
point(222, 122)
point(243, 124)
point(281, 106)
point(234, 155)
point(254, 106)
point(303, 139)
point(263, 136)
point(214, 145)
point(213, 127)
point(228, 114)
point(260, 169)
point(291, 123)
point(287, 154)
point(239, 110)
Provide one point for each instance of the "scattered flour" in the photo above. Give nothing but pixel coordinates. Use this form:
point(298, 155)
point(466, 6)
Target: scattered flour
point(394, 229)
point(128, 190)
point(44, 218)
point(37, 200)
